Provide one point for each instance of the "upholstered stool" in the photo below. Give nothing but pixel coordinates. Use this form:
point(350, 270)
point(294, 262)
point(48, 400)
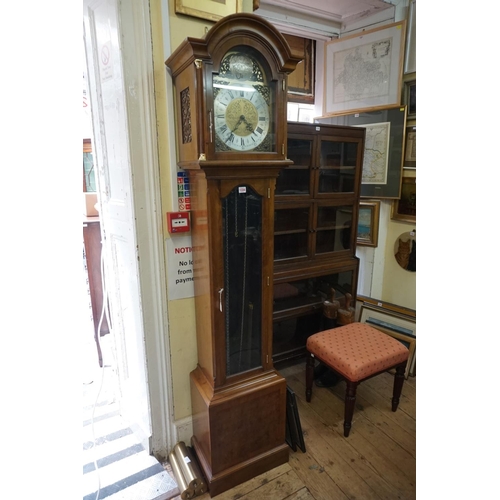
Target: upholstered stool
point(356, 352)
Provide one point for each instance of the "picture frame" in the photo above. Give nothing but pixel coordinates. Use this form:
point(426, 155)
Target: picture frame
point(410, 64)
point(368, 221)
point(410, 99)
point(209, 10)
point(405, 209)
point(399, 326)
point(405, 311)
point(373, 58)
point(294, 434)
point(410, 158)
point(388, 169)
point(306, 115)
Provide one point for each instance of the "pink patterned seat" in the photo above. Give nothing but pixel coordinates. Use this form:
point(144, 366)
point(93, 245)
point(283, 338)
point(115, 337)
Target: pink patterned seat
point(356, 352)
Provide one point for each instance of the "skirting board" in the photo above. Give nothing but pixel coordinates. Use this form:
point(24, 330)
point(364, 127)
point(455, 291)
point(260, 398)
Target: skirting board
point(183, 429)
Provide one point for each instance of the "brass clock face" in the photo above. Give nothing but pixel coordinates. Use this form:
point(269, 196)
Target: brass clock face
point(242, 105)
point(241, 118)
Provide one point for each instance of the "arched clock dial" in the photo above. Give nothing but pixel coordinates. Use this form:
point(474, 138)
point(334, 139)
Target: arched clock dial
point(241, 118)
point(243, 100)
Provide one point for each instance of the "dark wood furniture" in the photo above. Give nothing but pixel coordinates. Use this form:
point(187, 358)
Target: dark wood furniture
point(316, 214)
point(92, 246)
point(356, 352)
point(230, 92)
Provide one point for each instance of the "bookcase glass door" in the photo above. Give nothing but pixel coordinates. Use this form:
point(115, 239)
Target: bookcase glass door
point(295, 180)
point(337, 166)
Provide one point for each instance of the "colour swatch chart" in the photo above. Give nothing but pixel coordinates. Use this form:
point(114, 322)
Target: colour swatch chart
point(183, 191)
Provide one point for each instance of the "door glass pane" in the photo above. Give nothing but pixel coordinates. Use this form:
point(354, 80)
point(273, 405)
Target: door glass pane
point(242, 246)
point(88, 169)
point(305, 295)
point(291, 226)
point(333, 228)
point(337, 167)
point(287, 246)
point(291, 333)
point(292, 180)
point(295, 179)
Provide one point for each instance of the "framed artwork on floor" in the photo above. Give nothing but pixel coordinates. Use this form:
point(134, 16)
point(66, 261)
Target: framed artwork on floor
point(398, 326)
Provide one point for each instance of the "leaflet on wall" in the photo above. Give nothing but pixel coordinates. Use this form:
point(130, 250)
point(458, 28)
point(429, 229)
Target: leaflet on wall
point(180, 267)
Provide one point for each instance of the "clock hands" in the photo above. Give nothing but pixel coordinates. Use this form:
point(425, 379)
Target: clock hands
point(238, 123)
point(249, 126)
point(243, 119)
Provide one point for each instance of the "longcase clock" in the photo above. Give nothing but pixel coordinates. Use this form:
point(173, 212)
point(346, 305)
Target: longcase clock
point(230, 92)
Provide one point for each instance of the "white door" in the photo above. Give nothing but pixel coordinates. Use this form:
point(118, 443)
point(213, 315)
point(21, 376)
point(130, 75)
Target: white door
point(113, 162)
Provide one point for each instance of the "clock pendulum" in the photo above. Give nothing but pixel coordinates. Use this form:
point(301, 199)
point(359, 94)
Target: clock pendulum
point(239, 254)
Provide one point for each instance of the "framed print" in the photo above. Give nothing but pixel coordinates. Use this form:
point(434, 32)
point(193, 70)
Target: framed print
point(306, 115)
point(410, 160)
point(405, 209)
point(368, 219)
point(399, 326)
point(411, 39)
point(383, 154)
point(405, 311)
point(295, 436)
point(364, 71)
point(410, 99)
point(211, 10)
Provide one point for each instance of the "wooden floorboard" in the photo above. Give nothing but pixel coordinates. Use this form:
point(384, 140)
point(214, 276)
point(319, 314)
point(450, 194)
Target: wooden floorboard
point(377, 461)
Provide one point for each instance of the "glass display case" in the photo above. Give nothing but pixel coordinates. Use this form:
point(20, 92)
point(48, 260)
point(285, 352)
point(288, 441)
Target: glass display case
point(315, 220)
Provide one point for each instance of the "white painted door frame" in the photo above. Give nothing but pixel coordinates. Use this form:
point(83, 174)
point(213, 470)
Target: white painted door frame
point(134, 36)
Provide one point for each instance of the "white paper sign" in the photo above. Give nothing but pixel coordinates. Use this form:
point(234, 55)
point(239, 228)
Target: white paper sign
point(180, 267)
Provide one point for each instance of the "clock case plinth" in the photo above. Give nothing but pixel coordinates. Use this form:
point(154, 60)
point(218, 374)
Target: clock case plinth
point(239, 417)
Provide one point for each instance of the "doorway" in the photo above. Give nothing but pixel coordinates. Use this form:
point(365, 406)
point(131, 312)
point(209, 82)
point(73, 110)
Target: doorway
point(127, 179)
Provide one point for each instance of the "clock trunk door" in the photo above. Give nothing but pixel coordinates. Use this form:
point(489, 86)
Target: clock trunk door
point(243, 289)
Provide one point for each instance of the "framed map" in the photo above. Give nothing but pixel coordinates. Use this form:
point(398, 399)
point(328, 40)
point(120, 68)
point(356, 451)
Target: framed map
point(383, 153)
point(376, 156)
point(364, 71)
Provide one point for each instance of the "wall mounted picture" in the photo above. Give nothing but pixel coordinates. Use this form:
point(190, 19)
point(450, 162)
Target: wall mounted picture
point(364, 71)
point(383, 154)
point(368, 220)
point(405, 209)
point(211, 10)
point(410, 160)
point(410, 99)
point(410, 65)
point(405, 251)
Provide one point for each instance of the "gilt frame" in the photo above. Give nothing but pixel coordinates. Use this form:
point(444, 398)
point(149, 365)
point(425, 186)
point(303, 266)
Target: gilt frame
point(209, 10)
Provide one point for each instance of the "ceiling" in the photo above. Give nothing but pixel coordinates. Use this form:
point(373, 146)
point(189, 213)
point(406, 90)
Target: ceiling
point(339, 11)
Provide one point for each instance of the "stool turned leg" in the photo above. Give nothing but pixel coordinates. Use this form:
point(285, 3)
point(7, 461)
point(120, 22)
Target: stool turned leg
point(309, 376)
point(399, 379)
point(350, 399)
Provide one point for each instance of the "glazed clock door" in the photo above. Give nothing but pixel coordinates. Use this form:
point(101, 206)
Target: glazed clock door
point(242, 294)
